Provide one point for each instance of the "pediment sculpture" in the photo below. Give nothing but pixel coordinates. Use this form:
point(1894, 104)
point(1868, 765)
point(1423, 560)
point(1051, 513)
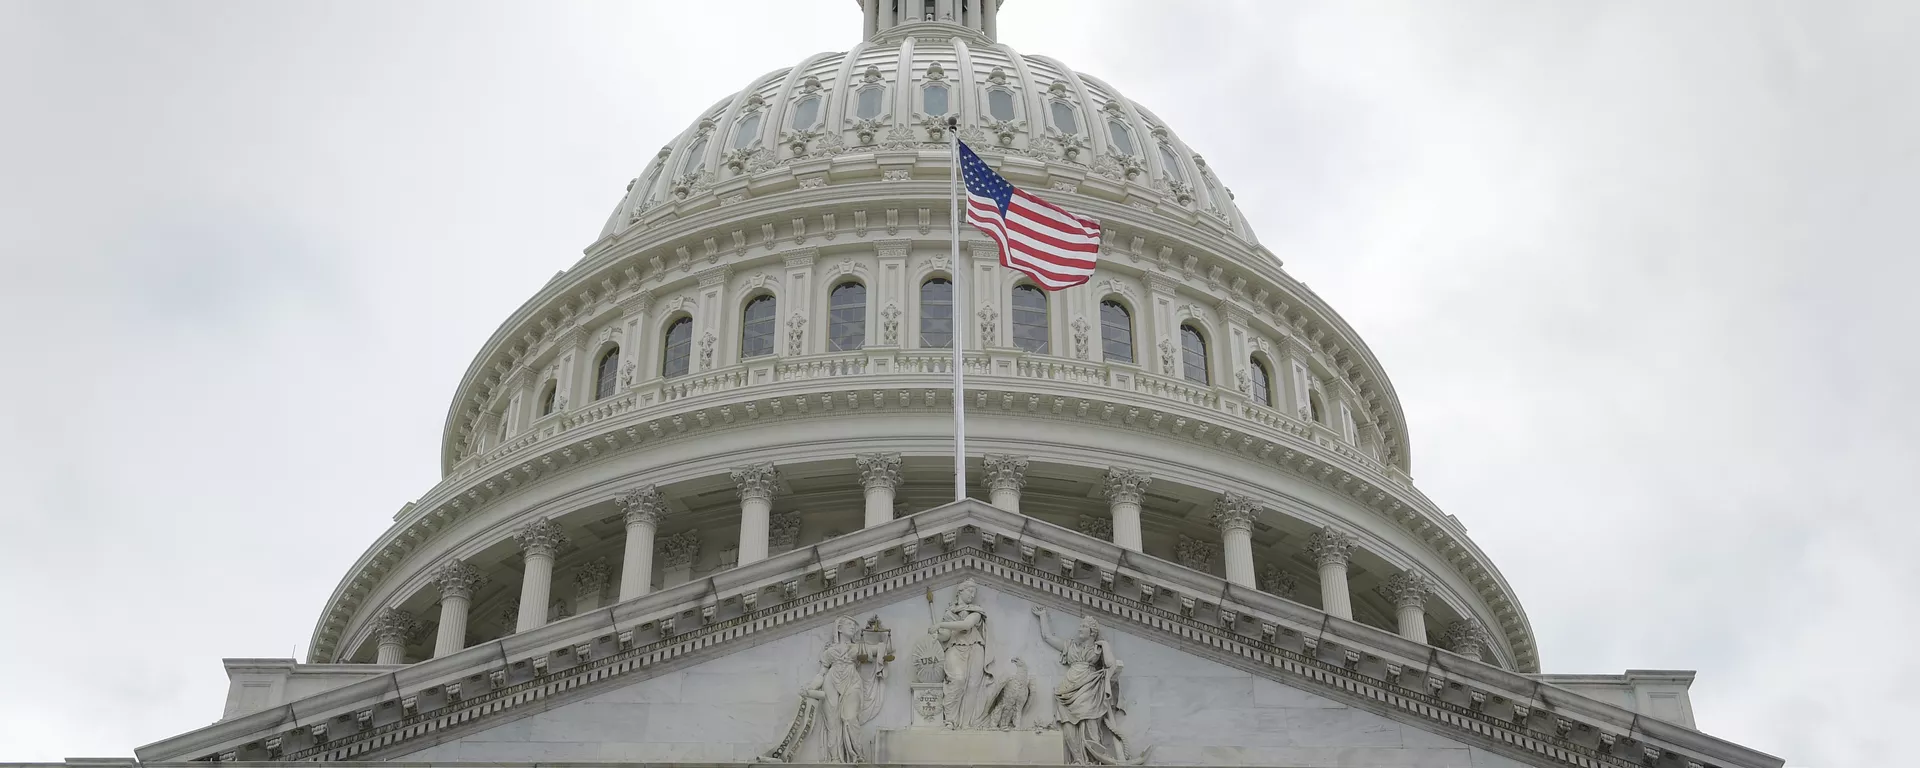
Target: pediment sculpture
point(842, 697)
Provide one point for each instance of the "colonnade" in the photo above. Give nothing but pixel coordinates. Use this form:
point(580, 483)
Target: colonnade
point(642, 509)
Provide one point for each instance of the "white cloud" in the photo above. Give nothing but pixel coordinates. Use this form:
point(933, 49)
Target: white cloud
point(1639, 272)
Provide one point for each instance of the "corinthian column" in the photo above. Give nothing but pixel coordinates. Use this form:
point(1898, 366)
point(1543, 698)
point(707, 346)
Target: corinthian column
point(1332, 550)
point(1125, 488)
point(642, 507)
point(880, 475)
point(540, 541)
point(755, 483)
point(392, 627)
point(1466, 638)
point(1408, 591)
point(1234, 515)
point(457, 580)
point(1006, 475)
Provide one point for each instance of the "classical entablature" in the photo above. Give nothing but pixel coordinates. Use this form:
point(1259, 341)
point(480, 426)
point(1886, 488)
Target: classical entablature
point(1463, 703)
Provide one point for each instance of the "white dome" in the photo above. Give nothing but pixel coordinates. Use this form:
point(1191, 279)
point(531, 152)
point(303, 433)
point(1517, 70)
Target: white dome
point(773, 299)
point(893, 93)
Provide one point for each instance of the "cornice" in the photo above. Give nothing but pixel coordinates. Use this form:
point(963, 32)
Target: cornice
point(1506, 712)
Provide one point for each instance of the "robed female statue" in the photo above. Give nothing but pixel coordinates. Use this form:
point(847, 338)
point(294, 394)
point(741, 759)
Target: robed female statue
point(1087, 700)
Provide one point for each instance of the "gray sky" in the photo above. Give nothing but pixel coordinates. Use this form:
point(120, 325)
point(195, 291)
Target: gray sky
point(1641, 273)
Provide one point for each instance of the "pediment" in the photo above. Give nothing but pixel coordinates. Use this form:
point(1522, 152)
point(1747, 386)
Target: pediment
point(1184, 708)
point(1217, 673)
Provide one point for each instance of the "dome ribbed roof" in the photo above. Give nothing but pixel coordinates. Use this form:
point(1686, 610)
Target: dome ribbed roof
point(891, 93)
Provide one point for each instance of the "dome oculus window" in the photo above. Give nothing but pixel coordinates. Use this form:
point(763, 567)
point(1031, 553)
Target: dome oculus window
point(1122, 136)
point(1064, 119)
point(936, 313)
point(933, 100)
point(806, 113)
point(1174, 171)
point(867, 107)
point(1029, 320)
point(1000, 104)
point(847, 321)
point(677, 357)
point(694, 153)
point(607, 374)
point(1262, 383)
point(1193, 355)
point(756, 327)
point(747, 131)
point(1116, 332)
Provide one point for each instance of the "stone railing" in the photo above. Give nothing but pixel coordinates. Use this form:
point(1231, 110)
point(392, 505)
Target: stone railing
point(1268, 635)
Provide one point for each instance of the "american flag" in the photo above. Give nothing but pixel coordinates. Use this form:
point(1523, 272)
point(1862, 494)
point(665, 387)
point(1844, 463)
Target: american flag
point(1055, 248)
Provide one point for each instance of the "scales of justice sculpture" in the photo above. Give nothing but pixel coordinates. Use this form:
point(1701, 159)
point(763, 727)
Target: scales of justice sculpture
point(955, 687)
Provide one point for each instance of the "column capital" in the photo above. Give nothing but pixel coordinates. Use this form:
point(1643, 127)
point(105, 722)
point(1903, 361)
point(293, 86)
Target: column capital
point(1330, 547)
point(783, 530)
point(1465, 637)
point(642, 505)
point(878, 470)
point(592, 577)
point(755, 481)
point(1098, 527)
point(1275, 580)
point(1233, 511)
point(1407, 590)
point(1005, 472)
point(680, 549)
point(1196, 554)
point(458, 579)
point(1126, 486)
point(393, 625)
point(541, 537)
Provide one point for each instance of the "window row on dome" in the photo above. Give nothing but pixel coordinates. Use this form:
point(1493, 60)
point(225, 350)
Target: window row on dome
point(682, 345)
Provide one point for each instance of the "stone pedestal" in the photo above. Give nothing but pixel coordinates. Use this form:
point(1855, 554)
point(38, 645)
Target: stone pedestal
point(925, 700)
point(944, 747)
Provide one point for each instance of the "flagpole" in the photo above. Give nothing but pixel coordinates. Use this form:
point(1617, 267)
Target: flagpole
point(960, 316)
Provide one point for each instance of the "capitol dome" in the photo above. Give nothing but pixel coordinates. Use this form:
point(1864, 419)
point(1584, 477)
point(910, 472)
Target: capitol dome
point(773, 290)
point(733, 420)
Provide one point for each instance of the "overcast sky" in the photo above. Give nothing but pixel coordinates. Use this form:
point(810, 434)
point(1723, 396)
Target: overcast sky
point(1641, 274)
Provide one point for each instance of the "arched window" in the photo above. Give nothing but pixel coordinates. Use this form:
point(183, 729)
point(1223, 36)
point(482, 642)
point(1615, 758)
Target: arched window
point(694, 154)
point(1029, 320)
point(678, 356)
point(1316, 409)
point(806, 113)
point(1063, 118)
point(756, 327)
point(1193, 352)
point(847, 320)
point(1262, 382)
point(933, 100)
point(546, 399)
point(1000, 104)
point(746, 131)
point(607, 374)
point(868, 105)
point(1116, 332)
point(936, 313)
point(1122, 136)
point(1174, 171)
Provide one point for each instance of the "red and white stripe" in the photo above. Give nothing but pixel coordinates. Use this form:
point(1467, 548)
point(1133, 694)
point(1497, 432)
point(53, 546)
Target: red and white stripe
point(1055, 248)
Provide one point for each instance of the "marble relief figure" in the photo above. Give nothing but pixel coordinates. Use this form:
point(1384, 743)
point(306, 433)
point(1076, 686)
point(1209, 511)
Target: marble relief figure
point(841, 697)
point(1087, 699)
point(962, 632)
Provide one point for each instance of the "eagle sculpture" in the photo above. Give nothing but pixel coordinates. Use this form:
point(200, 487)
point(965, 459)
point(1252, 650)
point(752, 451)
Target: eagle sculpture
point(1008, 698)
